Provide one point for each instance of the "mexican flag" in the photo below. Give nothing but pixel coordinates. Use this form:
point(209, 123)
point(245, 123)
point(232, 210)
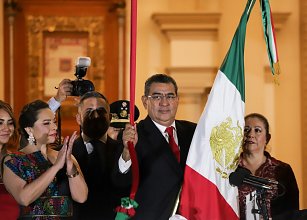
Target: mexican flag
point(215, 148)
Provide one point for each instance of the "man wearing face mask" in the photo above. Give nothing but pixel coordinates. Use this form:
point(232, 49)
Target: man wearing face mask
point(97, 156)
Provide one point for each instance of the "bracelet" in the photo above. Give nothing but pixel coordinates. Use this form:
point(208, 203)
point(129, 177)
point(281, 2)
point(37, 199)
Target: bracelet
point(73, 175)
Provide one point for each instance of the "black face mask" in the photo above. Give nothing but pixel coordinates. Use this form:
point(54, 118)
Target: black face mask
point(96, 123)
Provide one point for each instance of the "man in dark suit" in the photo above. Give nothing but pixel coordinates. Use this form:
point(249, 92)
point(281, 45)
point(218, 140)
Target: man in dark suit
point(161, 170)
point(96, 153)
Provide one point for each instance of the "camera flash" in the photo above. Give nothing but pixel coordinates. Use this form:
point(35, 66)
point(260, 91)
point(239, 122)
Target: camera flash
point(83, 62)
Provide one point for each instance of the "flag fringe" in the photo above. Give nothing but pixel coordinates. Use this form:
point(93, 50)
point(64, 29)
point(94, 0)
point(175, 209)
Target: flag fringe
point(277, 72)
point(127, 209)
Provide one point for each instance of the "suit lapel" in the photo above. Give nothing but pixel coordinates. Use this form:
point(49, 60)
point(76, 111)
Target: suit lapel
point(159, 144)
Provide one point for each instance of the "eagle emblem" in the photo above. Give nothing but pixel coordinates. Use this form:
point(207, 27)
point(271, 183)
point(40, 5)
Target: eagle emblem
point(225, 143)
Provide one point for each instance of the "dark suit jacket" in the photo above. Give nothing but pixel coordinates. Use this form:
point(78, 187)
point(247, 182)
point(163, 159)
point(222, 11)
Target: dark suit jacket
point(161, 175)
point(97, 167)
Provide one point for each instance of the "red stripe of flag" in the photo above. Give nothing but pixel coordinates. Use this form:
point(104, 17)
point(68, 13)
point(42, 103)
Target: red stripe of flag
point(197, 207)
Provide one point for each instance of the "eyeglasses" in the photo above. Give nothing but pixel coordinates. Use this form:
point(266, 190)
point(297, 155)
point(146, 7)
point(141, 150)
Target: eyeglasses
point(159, 97)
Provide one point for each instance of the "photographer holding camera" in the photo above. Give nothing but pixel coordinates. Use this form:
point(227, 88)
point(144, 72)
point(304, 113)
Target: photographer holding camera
point(78, 87)
point(94, 150)
point(64, 90)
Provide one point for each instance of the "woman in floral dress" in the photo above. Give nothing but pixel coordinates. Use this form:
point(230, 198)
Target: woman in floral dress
point(42, 180)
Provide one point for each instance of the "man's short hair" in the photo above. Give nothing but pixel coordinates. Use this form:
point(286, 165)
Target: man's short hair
point(159, 78)
point(92, 94)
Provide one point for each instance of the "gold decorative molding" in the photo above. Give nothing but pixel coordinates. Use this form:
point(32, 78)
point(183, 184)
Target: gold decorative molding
point(175, 25)
point(38, 25)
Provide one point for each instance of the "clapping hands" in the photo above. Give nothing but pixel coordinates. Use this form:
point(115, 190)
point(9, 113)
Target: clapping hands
point(64, 155)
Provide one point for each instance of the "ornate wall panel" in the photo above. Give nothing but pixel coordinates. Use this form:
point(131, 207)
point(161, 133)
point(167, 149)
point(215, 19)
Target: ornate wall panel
point(39, 26)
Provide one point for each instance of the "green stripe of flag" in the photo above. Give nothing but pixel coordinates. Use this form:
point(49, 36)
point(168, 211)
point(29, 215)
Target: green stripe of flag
point(233, 64)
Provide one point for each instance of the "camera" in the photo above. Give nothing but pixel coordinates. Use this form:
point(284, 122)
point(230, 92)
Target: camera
point(79, 85)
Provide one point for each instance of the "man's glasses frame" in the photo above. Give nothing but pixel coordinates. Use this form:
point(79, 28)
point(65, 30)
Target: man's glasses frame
point(158, 97)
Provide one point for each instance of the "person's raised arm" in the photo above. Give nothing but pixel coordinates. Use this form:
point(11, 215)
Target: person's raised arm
point(64, 90)
point(77, 185)
point(26, 193)
point(129, 134)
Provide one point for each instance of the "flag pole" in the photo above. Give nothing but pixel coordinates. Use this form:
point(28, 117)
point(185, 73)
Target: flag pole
point(177, 202)
point(128, 205)
point(135, 167)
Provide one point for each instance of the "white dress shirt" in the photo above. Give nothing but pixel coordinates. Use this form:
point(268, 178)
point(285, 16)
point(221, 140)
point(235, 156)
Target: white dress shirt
point(125, 166)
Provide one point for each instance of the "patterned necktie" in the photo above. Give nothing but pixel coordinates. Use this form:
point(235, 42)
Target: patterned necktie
point(172, 142)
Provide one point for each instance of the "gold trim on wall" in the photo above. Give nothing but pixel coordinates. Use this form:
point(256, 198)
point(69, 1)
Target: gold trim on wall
point(38, 25)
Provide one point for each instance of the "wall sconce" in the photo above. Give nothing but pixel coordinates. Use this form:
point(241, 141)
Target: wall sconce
point(11, 8)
